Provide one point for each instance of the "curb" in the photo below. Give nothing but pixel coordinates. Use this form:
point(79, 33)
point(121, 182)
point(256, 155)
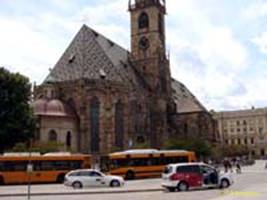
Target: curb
point(81, 193)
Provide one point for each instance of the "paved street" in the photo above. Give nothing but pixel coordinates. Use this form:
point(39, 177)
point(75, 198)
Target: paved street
point(252, 184)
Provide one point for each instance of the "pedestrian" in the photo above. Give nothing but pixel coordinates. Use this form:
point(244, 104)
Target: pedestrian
point(225, 165)
point(238, 167)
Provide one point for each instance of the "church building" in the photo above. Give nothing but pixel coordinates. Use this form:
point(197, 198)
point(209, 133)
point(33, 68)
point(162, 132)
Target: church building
point(100, 98)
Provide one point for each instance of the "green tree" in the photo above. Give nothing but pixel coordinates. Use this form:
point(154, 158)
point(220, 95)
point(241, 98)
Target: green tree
point(200, 146)
point(16, 117)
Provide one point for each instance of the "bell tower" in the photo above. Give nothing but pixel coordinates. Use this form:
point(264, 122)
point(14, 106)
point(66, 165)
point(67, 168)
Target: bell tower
point(148, 49)
point(148, 55)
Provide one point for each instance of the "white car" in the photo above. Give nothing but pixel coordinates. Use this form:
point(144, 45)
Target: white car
point(185, 176)
point(91, 178)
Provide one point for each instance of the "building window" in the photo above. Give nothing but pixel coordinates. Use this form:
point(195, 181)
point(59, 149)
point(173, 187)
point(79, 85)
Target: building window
point(252, 140)
point(239, 141)
point(238, 130)
point(245, 141)
point(233, 141)
point(244, 122)
point(94, 125)
point(226, 141)
point(237, 123)
point(119, 124)
point(262, 152)
point(68, 139)
point(52, 136)
point(143, 21)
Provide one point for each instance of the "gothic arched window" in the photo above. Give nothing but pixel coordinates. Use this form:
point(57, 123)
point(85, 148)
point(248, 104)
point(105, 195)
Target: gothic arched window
point(119, 124)
point(68, 139)
point(52, 136)
point(143, 21)
point(94, 119)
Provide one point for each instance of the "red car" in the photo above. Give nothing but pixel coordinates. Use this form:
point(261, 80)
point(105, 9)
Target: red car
point(185, 176)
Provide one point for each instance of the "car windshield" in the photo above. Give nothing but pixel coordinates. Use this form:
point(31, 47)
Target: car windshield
point(167, 170)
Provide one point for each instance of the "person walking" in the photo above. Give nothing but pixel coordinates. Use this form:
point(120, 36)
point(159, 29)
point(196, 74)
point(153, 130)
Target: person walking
point(238, 167)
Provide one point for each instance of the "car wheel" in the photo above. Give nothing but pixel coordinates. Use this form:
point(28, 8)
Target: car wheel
point(77, 185)
point(115, 183)
point(224, 183)
point(130, 175)
point(183, 186)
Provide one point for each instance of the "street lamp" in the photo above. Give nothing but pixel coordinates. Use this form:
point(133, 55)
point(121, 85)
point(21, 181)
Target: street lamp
point(29, 170)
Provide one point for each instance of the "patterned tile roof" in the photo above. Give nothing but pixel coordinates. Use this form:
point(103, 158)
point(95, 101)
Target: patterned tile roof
point(186, 102)
point(90, 55)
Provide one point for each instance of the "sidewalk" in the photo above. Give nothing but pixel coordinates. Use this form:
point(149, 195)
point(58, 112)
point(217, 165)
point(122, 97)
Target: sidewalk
point(148, 185)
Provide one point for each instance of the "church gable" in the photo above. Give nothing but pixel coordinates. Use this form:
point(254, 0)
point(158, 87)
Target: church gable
point(92, 56)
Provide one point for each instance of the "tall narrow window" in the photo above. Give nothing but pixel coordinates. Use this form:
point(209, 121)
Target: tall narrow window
point(94, 116)
point(52, 136)
point(185, 128)
point(68, 139)
point(160, 24)
point(119, 125)
point(143, 21)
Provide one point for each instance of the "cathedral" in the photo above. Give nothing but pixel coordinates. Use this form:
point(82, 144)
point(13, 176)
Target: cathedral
point(100, 98)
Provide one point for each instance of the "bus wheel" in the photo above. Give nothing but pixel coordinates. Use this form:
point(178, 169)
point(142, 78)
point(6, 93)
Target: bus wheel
point(2, 180)
point(130, 175)
point(60, 178)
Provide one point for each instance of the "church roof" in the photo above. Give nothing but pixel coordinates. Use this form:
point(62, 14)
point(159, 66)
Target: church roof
point(92, 56)
point(185, 101)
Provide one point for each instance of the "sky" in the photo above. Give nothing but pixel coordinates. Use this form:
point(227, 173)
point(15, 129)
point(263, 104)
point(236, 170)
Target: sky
point(218, 48)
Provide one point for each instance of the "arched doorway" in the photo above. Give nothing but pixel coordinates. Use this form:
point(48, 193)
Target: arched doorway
point(52, 137)
point(68, 140)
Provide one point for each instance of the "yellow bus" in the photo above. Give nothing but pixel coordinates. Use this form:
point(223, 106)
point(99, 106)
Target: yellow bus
point(46, 168)
point(145, 163)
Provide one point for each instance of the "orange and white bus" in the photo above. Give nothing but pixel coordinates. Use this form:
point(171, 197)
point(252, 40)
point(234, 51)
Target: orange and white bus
point(46, 168)
point(143, 163)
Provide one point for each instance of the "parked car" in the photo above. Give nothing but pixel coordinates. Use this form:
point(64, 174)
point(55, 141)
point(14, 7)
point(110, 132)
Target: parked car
point(185, 176)
point(91, 178)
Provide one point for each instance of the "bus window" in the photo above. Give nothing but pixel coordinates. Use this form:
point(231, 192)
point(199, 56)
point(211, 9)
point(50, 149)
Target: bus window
point(1, 166)
point(15, 166)
point(47, 165)
point(75, 165)
point(180, 159)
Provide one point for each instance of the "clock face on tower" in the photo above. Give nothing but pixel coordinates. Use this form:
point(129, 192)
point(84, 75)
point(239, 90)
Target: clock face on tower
point(144, 43)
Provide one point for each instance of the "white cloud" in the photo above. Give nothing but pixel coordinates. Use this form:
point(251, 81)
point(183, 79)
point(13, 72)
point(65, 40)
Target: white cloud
point(220, 49)
point(208, 57)
point(255, 10)
point(261, 42)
